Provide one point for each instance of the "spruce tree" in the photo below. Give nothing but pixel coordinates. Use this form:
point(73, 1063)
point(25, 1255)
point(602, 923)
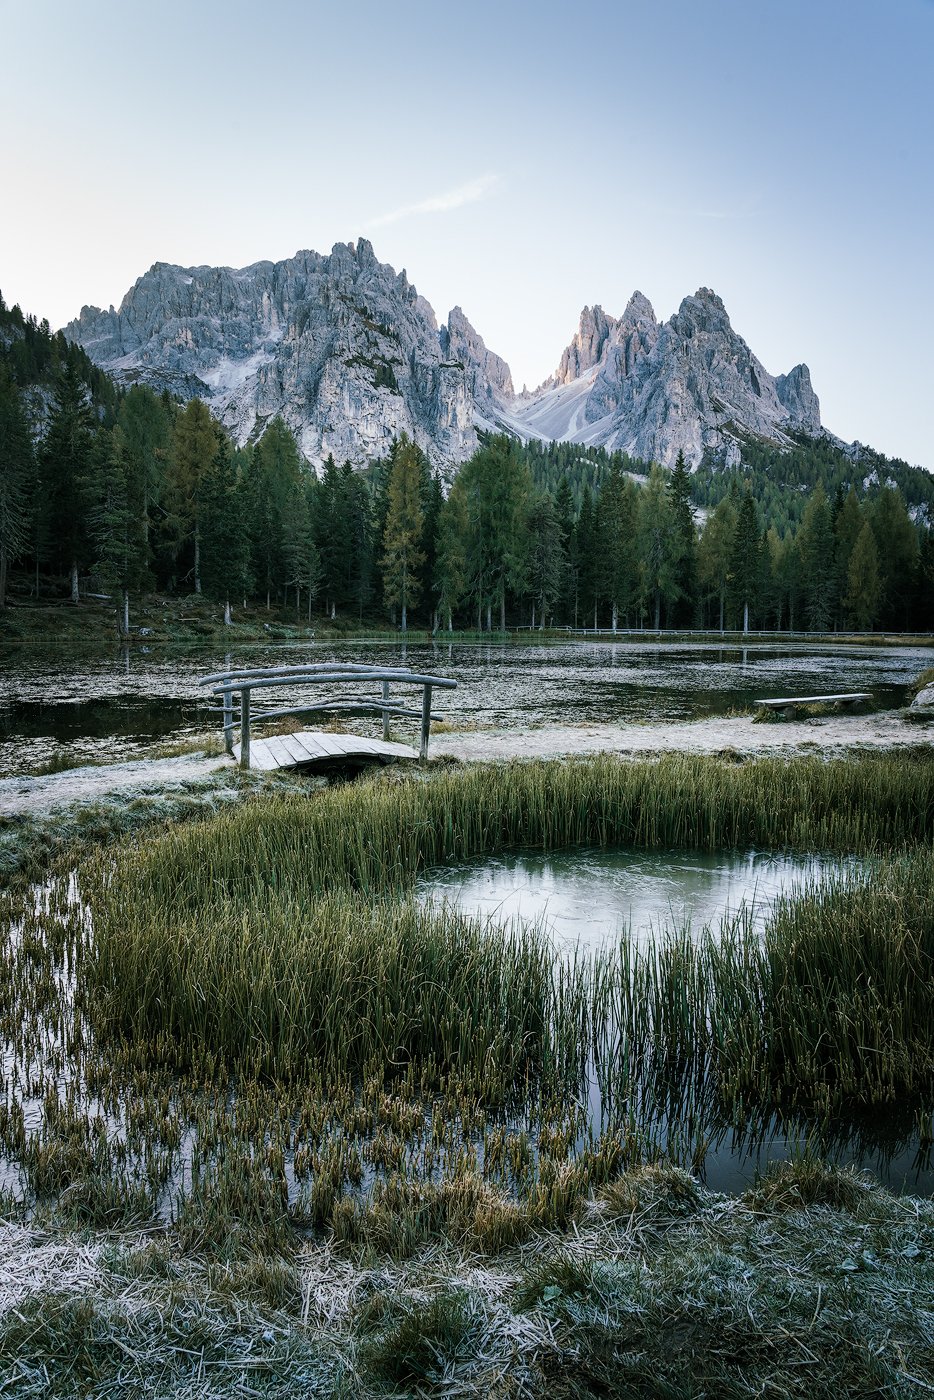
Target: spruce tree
point(16, 462)
point(403, 555)
point(745, 578)
point(683, 544)
point(450, 579)
point(715, 553)
point(658, 546)
point(194, 444)
point(816, 551)
point(544, 572)
point(64, 478)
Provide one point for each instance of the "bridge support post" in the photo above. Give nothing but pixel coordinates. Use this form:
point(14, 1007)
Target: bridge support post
point(245, 727)
point(228, 721)
point(385, 715)
point(426, 723)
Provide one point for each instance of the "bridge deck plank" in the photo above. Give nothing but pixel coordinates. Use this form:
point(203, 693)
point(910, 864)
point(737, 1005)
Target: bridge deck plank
point(307, 747)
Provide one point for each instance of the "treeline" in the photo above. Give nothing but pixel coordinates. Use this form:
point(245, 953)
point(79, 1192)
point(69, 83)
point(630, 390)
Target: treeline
point(124, 492)
point(781, 480)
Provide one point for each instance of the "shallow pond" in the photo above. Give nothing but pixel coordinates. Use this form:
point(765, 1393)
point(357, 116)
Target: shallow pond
point(589, 897)
point(118, 706)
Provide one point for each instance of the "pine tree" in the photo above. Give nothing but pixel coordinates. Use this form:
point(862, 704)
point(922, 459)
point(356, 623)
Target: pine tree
point(683, 544)
point(617, 561)
point(658, 545)
point(403, 555)
point(64, 472)
point(497, 487)
point(816, 551)
point(544, 575)
point(16, 462)
point(194, 444)
point(564, 514)
point(225, 536)
point(897, 545)
point(115, 523)
point(745, 579)
point(450, 580)
point(863, 584)
point(715, 551)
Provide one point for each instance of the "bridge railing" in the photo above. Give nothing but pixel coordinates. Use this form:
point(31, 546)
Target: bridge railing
point(242, 682)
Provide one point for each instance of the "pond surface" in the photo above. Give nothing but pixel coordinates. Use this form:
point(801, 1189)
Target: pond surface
point(117, 706)
point(588, 898)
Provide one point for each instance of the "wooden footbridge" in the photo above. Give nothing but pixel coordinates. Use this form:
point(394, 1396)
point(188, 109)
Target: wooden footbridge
point(314, 746)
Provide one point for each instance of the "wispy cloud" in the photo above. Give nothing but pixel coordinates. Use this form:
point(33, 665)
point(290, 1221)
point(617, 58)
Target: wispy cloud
point(469, 193)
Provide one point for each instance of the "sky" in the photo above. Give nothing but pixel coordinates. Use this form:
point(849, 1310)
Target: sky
point(518, 159)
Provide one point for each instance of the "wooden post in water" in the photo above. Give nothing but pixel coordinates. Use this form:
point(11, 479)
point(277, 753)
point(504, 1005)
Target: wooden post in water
point(245, 727)
point(228, 721)
point(385, 715)
point(426, 723)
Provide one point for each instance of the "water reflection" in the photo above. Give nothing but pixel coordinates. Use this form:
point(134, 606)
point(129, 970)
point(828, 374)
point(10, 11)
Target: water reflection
point(589, 897)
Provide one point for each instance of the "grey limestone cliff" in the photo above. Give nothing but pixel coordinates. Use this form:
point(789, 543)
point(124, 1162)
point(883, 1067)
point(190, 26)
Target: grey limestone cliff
point(350, 355)
point(340, 345)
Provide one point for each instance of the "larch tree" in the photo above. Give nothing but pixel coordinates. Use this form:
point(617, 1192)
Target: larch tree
point(863, 583)
point(714, 552)
point(403, 555)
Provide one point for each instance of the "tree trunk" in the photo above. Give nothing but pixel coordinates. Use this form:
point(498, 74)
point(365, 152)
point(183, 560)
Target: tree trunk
point(227, 618)
point(333, 611)
point(489, 617)
point(298, 602)
point(309, 607)
point(74, 583)
point(3, 568)
point(124, 615)
point(745, 618)
point(197, 560)
point(658, 609)
point(450, 621)
point(502, 612)
point(615, 616)
point(722, 596)
point(404, 618)
point(533, 617)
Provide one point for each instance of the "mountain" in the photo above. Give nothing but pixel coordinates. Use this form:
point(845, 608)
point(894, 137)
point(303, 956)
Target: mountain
point(350, 355)
point(651, 390)
point(340, 345)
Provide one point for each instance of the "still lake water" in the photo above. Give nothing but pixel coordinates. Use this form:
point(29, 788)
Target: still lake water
point(588, 898)
point(120, 706)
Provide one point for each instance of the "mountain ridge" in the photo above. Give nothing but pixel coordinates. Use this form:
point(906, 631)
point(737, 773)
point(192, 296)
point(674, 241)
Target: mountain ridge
point(350, 355)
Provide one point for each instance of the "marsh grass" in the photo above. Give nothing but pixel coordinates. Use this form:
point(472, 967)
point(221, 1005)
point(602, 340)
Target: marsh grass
point(281, 935)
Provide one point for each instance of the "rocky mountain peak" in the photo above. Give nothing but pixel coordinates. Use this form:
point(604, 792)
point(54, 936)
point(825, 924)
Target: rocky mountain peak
point(587, 347)
point(345, 349)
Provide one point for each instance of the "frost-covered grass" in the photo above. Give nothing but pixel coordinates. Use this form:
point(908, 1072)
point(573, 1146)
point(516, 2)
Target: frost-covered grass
point(815, 1284)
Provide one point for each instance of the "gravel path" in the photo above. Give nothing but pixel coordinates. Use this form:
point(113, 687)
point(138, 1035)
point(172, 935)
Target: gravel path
point(835, 734)
point(20, 797)
point(37, 796)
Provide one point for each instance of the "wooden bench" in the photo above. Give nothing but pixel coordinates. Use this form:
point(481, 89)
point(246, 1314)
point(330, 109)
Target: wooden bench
point(791, 704)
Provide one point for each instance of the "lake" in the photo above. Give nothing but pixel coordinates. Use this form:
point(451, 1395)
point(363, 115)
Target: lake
point(121, 705)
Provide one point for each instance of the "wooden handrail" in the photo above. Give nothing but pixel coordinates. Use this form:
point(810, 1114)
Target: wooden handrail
point(226, 684)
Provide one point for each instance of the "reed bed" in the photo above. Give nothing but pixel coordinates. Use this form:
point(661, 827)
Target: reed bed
point(377, 836)
point(280, 939)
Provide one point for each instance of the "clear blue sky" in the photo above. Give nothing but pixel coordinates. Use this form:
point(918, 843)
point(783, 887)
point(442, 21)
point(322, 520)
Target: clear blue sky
point(521, 159)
